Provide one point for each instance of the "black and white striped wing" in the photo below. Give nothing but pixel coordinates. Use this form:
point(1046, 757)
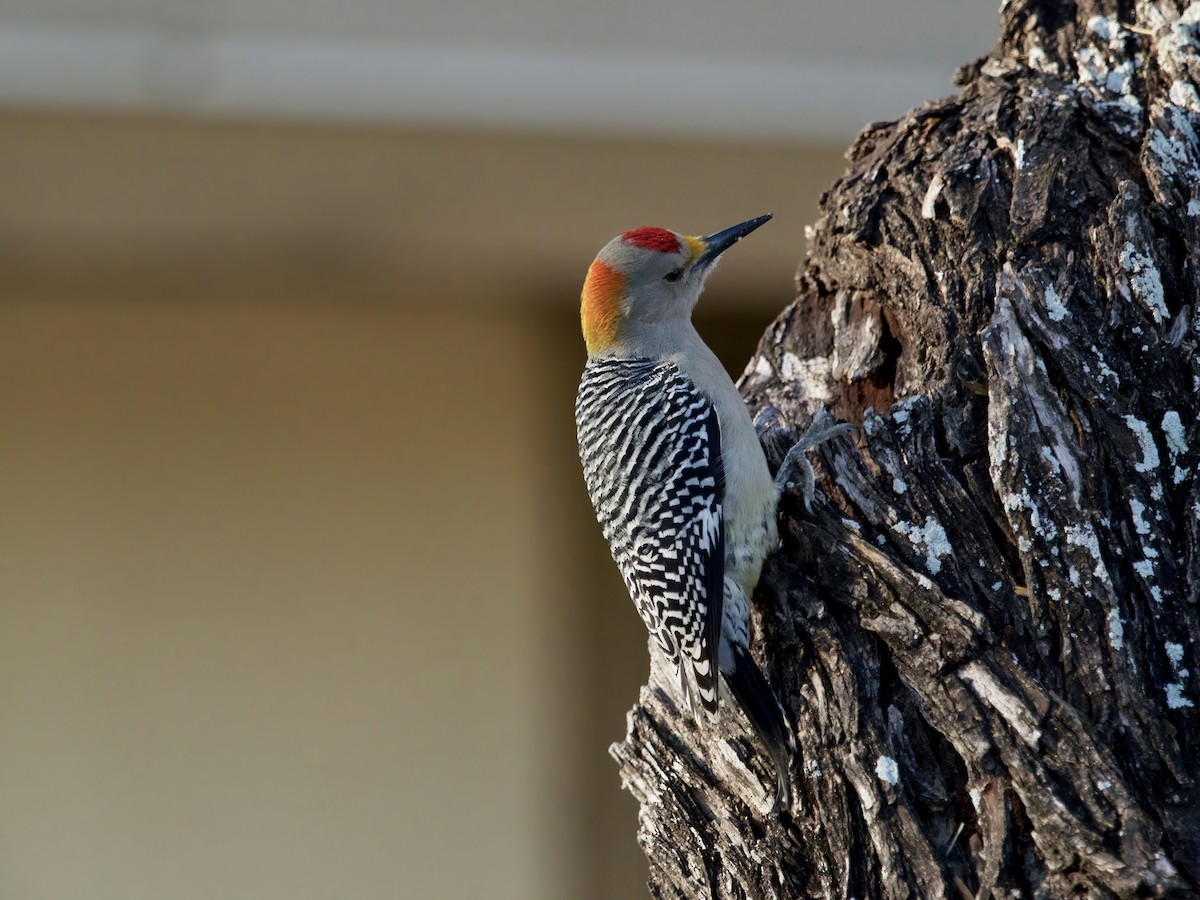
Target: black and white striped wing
point(650, 445)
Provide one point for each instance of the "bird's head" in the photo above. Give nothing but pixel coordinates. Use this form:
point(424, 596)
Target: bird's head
point(647, 277)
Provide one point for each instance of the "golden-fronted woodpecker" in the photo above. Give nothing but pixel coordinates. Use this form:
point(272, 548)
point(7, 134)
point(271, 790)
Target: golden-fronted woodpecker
point(676, 473)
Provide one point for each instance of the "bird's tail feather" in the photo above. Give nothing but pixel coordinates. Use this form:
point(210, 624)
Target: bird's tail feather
point(762, 708)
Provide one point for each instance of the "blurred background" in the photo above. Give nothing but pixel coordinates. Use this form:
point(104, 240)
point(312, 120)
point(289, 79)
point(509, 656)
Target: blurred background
point(300, 592)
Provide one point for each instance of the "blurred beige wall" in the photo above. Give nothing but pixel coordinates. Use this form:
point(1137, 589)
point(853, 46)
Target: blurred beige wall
point(270, 604)
point(301, 593)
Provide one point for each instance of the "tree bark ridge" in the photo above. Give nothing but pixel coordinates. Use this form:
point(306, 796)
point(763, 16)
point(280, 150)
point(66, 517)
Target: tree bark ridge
point(988, 632)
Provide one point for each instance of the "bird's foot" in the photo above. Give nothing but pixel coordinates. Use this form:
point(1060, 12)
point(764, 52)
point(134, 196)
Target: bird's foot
point(774, 434)
point(796, 470)
point(766, 419)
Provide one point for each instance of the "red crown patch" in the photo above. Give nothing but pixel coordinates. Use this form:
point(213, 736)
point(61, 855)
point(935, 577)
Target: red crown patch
point(657, 239)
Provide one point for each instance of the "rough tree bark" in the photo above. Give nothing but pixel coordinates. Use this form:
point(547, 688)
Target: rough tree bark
point(988, 631)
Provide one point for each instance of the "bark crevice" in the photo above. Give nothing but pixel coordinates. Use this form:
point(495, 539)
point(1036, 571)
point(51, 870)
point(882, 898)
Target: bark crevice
point(988, 631)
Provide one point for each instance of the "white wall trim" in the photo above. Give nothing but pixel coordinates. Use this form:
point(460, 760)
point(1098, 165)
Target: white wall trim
point(457, 87)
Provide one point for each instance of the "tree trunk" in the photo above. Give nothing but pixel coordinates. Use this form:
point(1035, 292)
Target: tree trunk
point(987, 632)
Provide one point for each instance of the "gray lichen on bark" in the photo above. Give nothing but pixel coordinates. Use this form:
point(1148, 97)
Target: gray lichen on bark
point(988, 632)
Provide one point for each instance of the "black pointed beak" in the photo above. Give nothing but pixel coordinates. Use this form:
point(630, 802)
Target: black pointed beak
point(717, 243)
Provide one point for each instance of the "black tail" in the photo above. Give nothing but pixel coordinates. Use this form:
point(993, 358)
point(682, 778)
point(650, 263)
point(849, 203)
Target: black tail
point(762, 708)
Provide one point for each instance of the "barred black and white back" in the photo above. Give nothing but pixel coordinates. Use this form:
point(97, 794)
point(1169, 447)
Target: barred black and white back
point(650, 444)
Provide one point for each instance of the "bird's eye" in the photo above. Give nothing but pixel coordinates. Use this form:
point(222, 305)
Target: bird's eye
point(674, 274)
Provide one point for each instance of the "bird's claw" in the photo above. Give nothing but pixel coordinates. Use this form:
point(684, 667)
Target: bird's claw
point(795, 463)
point(773, 434)
point(767, 419)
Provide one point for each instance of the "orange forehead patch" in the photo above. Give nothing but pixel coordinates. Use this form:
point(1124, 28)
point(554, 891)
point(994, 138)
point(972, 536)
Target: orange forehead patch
point(600, 306)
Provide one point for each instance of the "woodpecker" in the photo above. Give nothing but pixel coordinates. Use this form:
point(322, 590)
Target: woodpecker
point(676, 473)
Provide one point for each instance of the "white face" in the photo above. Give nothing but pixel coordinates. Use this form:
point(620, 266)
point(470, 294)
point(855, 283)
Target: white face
point(647, 277)
point(661, 283)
